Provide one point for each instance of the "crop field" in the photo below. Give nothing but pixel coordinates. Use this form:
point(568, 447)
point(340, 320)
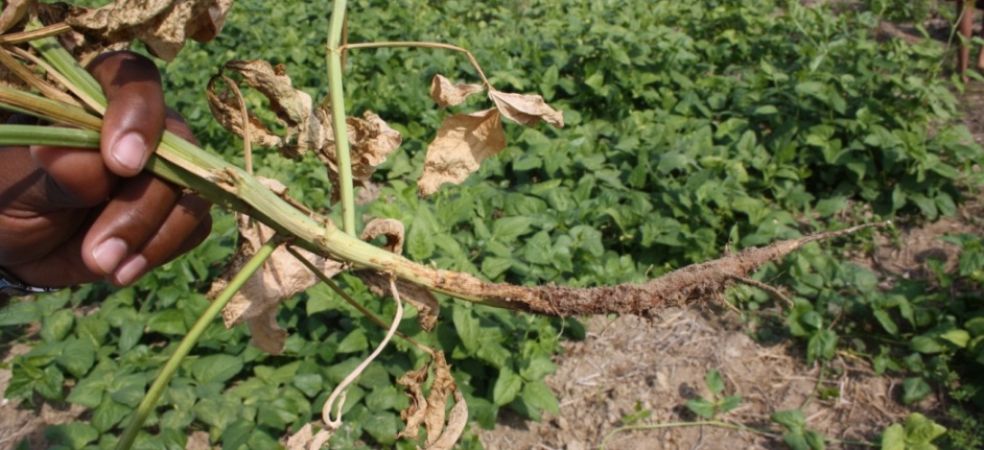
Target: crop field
point(692, 130)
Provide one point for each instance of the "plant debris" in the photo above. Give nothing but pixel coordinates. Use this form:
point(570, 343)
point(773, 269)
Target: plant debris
point(445, 93)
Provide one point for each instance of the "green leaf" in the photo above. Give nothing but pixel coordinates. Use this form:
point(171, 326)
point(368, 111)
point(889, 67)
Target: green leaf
point(714, 382)
point(507, 229)
point(169, 321)
point(88, 392)
point(886, 322)
point(815, 440)
point(796, 440)
point(310, 384)
point(354, 342)
point(914, 389)
point(792, 420)
point(383, 427)
point(893, 438)
point(493, 266)
point(957, 337)
point(919, 429)
point(702, 408)
point(108, 414)
point(384, 398)
point(215, 368)
point(77, 356)
point(926, 344)
point(537, 368)
point(822, 345)
point(74, 435)
point(468, 329)
point(729, 403)
point(539, 395)
point(56, 326)
point(127, 389)
point(236, 434)
point(507, 386)
point(219, 411)
point(19, 313)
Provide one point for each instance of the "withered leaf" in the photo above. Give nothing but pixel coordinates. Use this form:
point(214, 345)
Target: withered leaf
point(307, 439)
point(526, 109)
point(437, 399)
point(280, 278)
point(304, 123)
point(225, 108)
point(371, 141)
point(430, 411)
point(163, 25)
point(445, 93)
point(391, 228)
point(457, 421)
point(462, 143)
point(413, 415)
point(13, 13)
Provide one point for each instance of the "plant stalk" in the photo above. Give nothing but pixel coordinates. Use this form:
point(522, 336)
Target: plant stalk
point(336, 95)
point(162, 380)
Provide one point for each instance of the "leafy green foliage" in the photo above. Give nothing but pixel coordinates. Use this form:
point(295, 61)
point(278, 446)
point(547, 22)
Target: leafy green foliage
point(797, 436)
point(692, 125)
point(918, 433)
point(717, 404)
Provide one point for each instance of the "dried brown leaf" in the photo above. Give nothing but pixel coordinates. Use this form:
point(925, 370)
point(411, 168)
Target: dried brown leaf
point(225, 108)
point(163, 25)
point(391, 228)
point(431, 411)
point(371, 141)
point(437, 399)
point(282, 277)
point(526, 109)
point(445, 93)
point(462, 143)
point(413, 415)
point(307, 439)
point(13, 13)
point(457, 421)
point(304, 124)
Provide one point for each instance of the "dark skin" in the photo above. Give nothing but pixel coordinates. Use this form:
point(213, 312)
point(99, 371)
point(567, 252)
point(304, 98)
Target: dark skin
point(72, 216)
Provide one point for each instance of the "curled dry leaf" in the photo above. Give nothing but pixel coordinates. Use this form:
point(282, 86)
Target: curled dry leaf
point(308, 127)
point(371, 140)
point(462, 143)
point(437, 399)
point(526, 109)
point(445, 93)
point(419, 297)
point(13, 13)
point(457, 421)
point(306, 439)
point(413, 415)
point(281, 277)
point(225, 108)
point(430, 411)
point(163, 25)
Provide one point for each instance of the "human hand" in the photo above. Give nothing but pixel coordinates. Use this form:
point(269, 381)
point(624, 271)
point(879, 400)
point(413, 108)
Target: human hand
point(71, 216)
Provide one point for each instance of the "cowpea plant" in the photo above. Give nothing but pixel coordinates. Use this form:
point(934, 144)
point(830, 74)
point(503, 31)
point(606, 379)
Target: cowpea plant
point(282, 226)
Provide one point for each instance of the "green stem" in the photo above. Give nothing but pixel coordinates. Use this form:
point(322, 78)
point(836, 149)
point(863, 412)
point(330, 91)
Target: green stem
point(336, 95)
point(162, 380)
point(22, 135)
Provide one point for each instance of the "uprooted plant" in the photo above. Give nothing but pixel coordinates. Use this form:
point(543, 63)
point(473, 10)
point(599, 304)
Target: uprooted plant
point(296, 245)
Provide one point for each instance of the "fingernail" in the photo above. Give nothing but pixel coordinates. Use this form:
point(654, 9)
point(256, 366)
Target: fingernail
point(130, 151)
point(109, 254)
point(131, 270)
